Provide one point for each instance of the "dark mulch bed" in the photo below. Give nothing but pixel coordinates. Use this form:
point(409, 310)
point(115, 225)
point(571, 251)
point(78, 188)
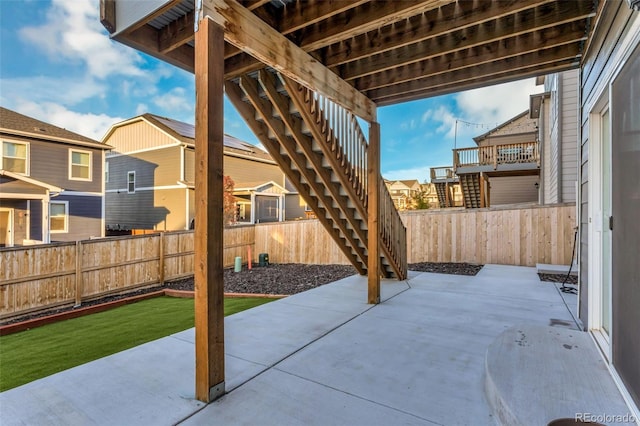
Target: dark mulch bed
point(282, 279)
point(446, 268)
point(558, 278)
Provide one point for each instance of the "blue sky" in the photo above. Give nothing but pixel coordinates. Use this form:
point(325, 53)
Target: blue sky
point(57, 64)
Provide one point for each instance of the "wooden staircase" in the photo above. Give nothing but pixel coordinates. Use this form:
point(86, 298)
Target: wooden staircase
point(444, 194)
point(471, 190)
point(322, 150)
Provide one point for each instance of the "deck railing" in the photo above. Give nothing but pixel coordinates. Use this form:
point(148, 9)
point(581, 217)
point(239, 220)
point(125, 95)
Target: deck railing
point(495, 155)
point(393, 233)
point(442, 173)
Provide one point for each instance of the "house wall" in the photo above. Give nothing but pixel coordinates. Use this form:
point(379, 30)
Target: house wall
point(508, 139)
point(85, 218)
point(569, 146)
point(35, 219)
point(243, 170)
point(162, 209)
point(49, 162)
point(294, 207)
point(158, 167)
point(616, 35)
point(136, 136)
point(513, 190)
point(545, 137)
point(552, 153)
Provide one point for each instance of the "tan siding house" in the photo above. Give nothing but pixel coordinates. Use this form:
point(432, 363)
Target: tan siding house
point(151, 178)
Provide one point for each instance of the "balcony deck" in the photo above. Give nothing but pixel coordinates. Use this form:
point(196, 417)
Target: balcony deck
point(495, 160)
point(443, 175)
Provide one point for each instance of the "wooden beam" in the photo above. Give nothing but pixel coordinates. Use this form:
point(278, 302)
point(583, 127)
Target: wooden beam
point(354, 22)
point(209, 217)
point(455, 86)
point(491, 53)
point(146, 39)
point(510, 30)
point(373, 214)
point(349, 22)
point(249, 33)
point(447, 19)
point(108, 15)
point(489, 71)
point(176, 33)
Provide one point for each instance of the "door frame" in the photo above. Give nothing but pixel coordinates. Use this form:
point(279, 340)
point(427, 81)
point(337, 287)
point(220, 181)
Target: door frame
point(596, 222)
point(10, 227)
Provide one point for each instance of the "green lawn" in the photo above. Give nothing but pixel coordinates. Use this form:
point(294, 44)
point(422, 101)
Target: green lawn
point(42, 351)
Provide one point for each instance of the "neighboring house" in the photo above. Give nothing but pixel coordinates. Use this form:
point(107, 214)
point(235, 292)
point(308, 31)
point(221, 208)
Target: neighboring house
point(505, 167)
point(609, 193)
point(403, 192)
point(445, 187)
point(150, 177)
point(557, 113)
point(51, 186)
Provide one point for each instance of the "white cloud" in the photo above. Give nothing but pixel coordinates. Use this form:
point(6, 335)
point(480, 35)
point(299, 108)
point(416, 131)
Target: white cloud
point(496, 104)
point(68, 91)
point(142, 109)
point(91, 125)
point(485, 107)
point(175, 101)
point(73, 32)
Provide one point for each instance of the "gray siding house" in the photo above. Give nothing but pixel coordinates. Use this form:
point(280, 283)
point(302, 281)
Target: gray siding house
point(557, 113)
point(51, 183)
point(150, 178)
point(609, 196)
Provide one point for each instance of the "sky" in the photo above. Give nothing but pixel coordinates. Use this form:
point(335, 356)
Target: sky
point(58, 65)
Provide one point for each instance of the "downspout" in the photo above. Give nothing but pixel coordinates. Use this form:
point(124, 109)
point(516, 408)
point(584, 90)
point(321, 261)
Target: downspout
point(560, 139)
point(541, 142)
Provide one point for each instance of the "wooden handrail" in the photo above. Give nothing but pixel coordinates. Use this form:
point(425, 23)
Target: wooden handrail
point(349, 145)
point(495, 155)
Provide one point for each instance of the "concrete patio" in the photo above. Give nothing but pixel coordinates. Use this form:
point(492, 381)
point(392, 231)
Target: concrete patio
point(500, 347)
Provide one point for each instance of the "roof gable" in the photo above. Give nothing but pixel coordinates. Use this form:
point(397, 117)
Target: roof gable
point(17, 124)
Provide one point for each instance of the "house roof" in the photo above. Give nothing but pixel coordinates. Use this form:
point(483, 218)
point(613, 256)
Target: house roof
point(16, 124)
point(389, 51)
point(186, 133)
point(31, 181)
point(530, 127)
point(256, 186)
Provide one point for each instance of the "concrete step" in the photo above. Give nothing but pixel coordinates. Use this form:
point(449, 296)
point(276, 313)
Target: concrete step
point(536, 374)
point(544, 268)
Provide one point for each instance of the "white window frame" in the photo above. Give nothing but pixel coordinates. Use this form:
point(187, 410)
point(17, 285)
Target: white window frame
point(131, 173)
point(106, 172)
point(27, 159)
point(66, 217)
point(81, 151)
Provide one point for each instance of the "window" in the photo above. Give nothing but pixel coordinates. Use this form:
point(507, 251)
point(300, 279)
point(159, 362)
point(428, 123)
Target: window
point(79, 165)
point(131, 182)
point(58, 216)
point(15, 157)
point(106, 172)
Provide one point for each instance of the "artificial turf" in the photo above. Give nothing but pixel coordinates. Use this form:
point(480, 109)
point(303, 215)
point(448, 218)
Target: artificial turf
point(42, 351)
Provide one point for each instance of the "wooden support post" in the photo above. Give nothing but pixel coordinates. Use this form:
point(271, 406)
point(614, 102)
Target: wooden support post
point(373, 212)
point(161, 259)
point(481, 188)
point(209, 220)
point(78, 273)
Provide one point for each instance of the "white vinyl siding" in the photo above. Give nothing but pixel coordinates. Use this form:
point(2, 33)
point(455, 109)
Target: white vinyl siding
point(106, 172)
point(58, 216)
point(15, 157)
point(80, 165)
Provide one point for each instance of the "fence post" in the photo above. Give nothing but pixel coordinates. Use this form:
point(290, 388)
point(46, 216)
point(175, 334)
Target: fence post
point(161, 260)
point(78, 273)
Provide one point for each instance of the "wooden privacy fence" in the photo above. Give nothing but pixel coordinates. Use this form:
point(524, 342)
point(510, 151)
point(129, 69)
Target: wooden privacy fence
point(46, 276)
point(37, 277)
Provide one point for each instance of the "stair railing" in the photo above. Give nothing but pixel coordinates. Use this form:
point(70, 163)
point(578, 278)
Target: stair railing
point(347, 141)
